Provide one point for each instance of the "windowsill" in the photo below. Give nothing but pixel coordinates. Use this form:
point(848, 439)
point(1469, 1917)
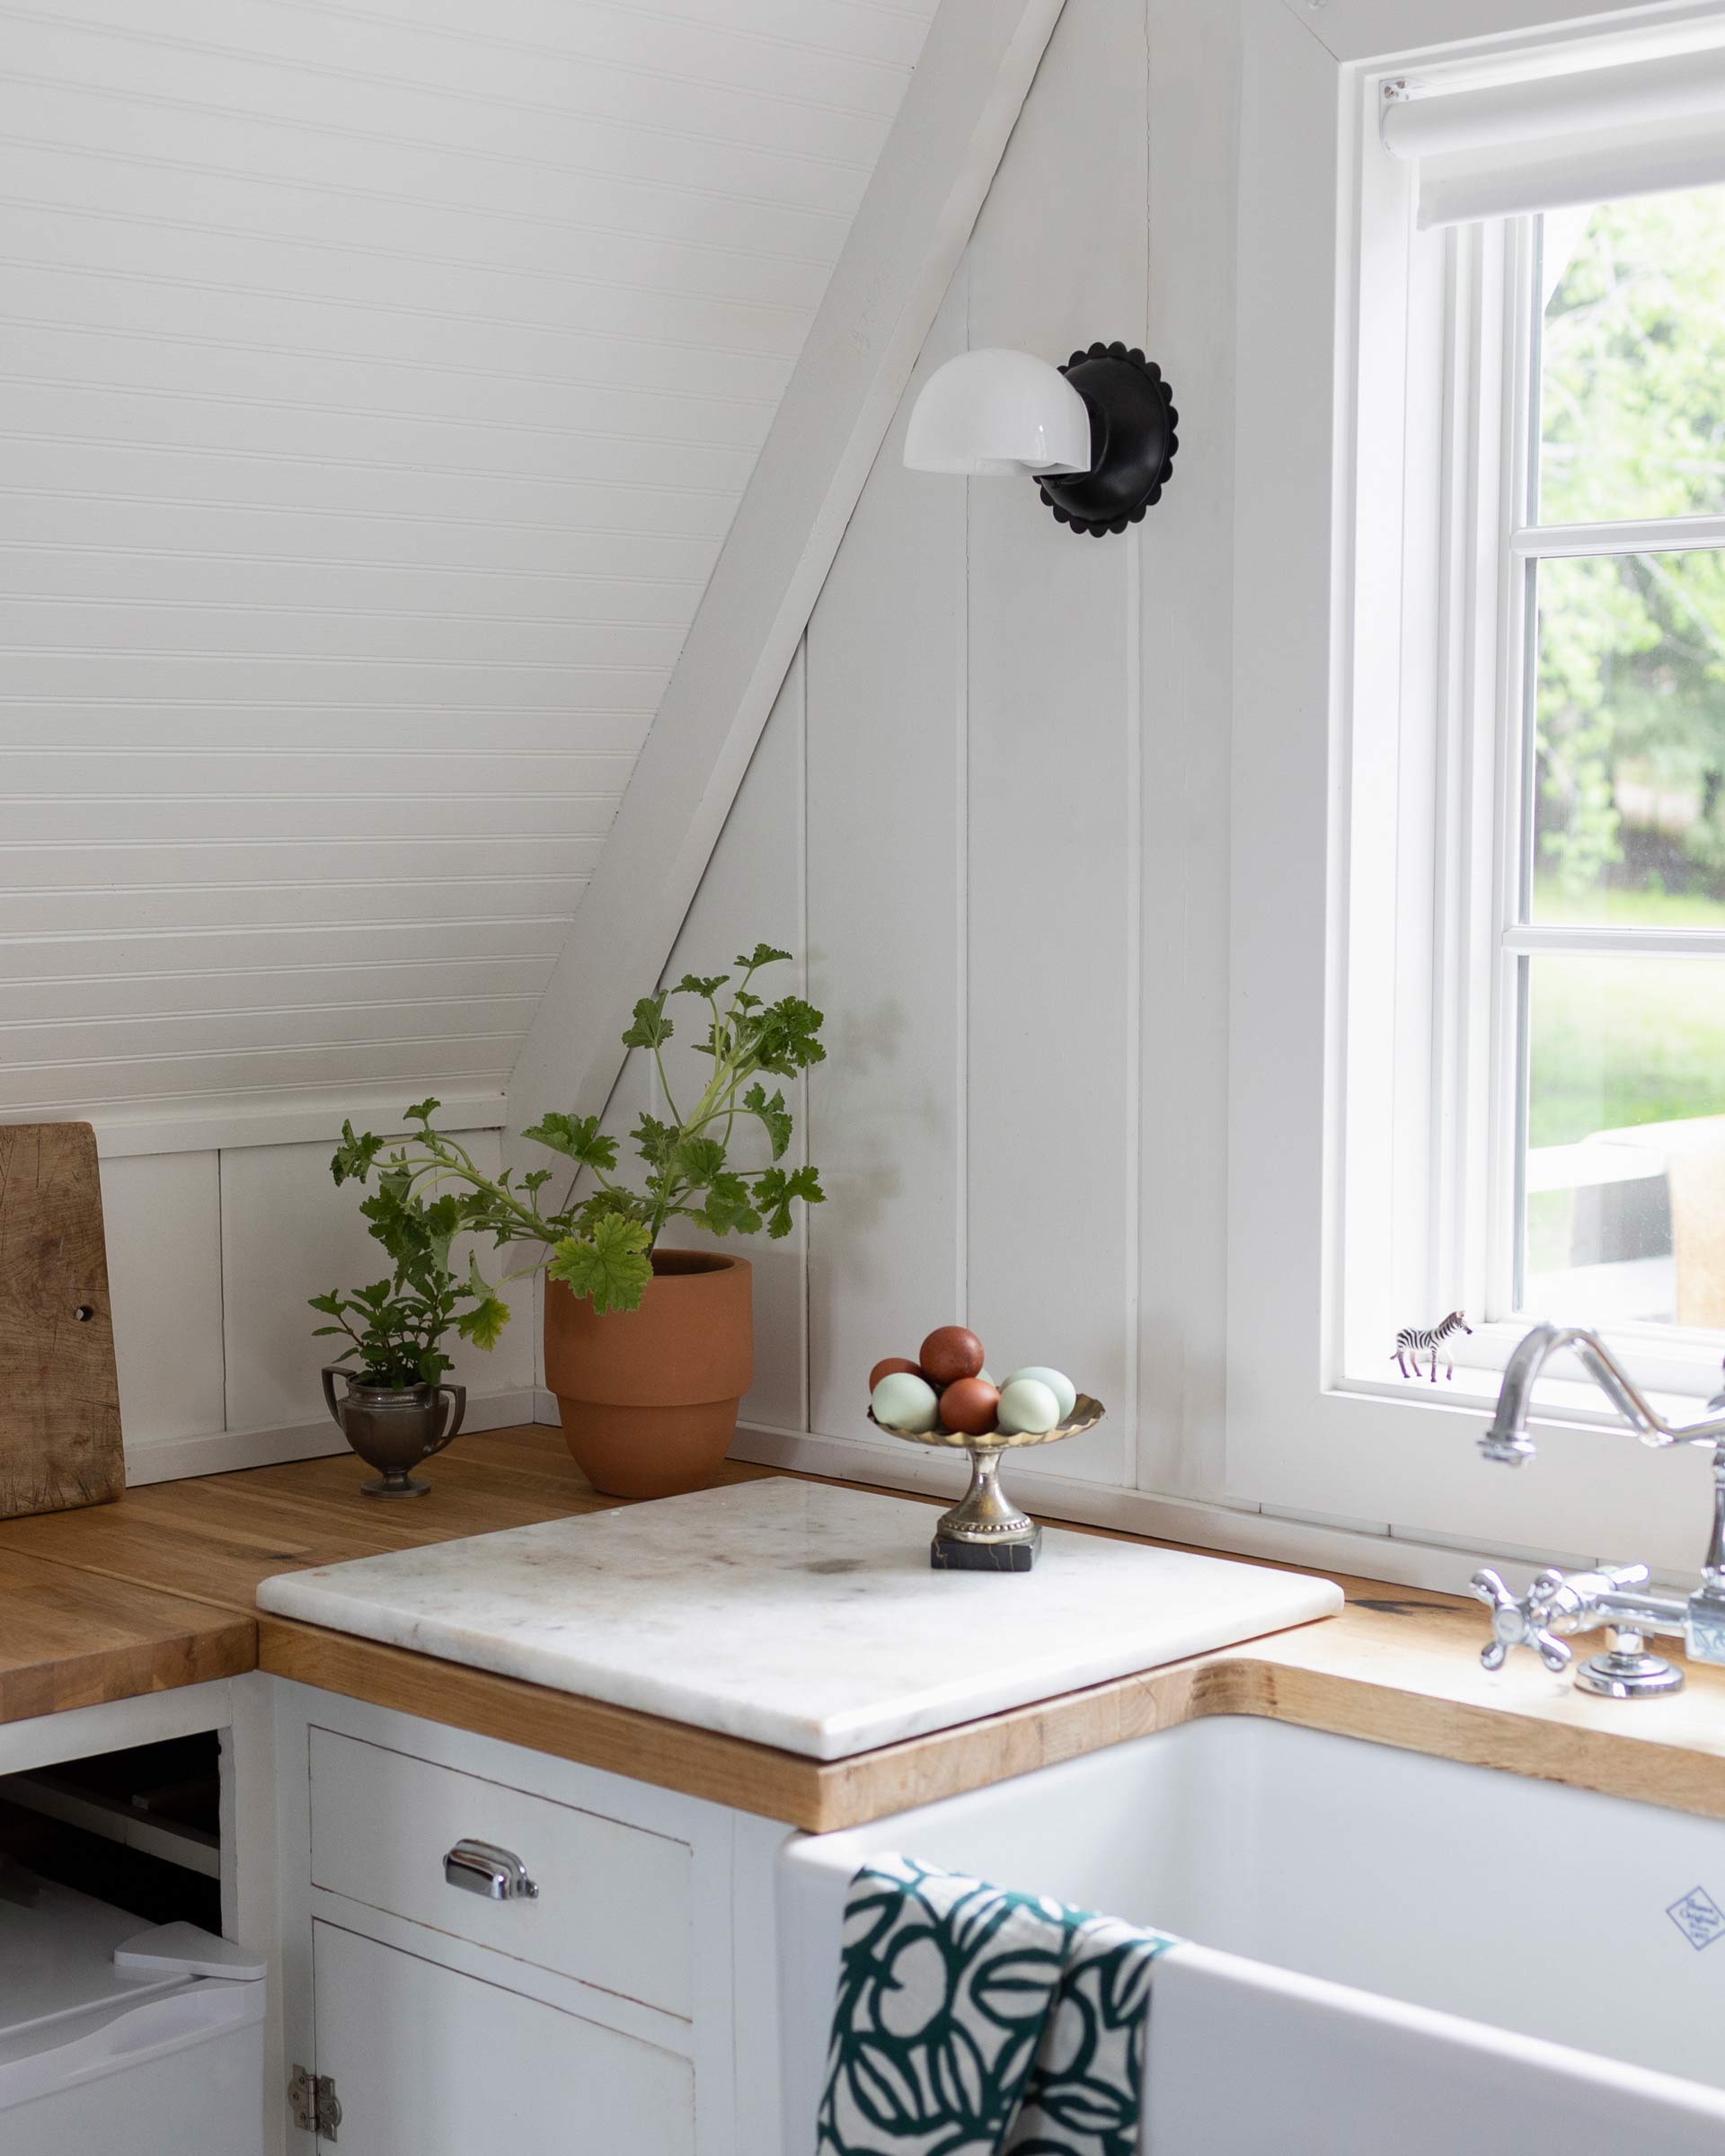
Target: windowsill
point(1559, 1399)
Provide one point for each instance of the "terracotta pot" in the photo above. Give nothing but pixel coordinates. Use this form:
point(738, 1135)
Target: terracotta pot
point(649, 1397)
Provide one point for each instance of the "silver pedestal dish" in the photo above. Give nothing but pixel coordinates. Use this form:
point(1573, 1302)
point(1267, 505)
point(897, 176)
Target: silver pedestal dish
point(985, 1530)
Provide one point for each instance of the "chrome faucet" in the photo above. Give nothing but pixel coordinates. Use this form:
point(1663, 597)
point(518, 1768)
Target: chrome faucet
point(1562, 1603)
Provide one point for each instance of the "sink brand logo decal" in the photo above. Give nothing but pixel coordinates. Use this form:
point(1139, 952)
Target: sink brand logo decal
point(1699, 1917)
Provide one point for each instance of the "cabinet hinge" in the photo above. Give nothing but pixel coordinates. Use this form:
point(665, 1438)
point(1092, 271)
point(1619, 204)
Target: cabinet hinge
point(316, 2108)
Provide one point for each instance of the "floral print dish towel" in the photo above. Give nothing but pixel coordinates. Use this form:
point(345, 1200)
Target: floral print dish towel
point(975, 2022)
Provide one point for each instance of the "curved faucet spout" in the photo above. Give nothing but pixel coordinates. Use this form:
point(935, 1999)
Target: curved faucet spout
point(1507, 1441)
point(1568, 1602)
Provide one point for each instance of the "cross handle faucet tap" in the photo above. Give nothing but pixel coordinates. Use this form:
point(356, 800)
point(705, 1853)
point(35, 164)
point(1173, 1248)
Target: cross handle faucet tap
point(1556, 1602)
point(1609, 1597)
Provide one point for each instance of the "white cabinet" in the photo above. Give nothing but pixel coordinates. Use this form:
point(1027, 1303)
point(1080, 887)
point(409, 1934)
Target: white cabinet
point(612, 1902)
point(426, 2062)
point(607, 2014)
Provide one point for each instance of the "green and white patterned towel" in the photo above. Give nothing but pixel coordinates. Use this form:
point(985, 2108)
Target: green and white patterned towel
point(975, 2022)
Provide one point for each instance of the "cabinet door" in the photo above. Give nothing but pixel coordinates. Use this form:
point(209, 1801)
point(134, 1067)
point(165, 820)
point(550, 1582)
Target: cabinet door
point(427, 2061)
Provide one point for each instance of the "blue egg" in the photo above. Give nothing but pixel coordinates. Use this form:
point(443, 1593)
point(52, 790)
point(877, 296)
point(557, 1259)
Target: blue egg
point(1065, 1391)
point(1028, 1406)
point(903, 1401)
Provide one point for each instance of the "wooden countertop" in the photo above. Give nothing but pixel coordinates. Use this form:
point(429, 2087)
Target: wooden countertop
point(157, 1590)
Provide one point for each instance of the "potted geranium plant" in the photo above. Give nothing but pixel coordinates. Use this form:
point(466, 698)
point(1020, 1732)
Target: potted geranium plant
point(393, 1411)
point(649, 1348)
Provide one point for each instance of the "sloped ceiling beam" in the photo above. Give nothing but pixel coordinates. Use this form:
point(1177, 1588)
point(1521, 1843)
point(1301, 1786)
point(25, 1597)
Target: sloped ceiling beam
point(940, 160)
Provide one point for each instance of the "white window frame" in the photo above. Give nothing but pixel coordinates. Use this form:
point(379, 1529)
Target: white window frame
point(1373, 998)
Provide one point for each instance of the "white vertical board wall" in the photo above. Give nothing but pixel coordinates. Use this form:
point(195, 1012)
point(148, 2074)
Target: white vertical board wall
point(1185, 635)
point(885, 885)
point(753, 893)
point(1052, 814)
point(1016, 856)
point(289, 1233)
point(969, 666)
point(162, 1218)
point(211, 1256)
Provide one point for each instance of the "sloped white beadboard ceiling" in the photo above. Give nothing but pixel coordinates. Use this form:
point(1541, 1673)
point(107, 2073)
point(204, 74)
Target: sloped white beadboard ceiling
point(377, 387)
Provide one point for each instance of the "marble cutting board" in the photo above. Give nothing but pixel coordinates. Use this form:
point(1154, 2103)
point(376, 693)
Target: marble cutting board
point(794, 1613)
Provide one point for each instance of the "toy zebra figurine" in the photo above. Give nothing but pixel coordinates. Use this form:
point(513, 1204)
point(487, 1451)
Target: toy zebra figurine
point(1413, 1341)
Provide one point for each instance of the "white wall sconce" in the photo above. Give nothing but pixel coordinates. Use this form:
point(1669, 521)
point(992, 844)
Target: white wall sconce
point(1097, 435)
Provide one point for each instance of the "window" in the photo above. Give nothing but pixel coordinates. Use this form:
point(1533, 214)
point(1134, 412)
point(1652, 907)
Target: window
point(1557, 851)
point(1617, 931)
point(1477, 954)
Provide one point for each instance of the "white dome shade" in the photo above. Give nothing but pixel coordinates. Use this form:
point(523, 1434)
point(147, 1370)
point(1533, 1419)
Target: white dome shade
point(998, 413)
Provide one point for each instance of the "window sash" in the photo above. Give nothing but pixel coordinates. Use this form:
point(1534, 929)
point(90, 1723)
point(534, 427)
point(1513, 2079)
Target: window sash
point(1451, 1155)
point(1480, 1214)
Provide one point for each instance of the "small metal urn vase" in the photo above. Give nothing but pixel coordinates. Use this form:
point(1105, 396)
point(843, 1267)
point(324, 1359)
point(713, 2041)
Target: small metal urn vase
point(394, 1428)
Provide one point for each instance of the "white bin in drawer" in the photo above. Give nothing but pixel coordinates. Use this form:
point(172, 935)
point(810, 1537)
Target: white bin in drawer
point(613, 1901)
point(98, 2058)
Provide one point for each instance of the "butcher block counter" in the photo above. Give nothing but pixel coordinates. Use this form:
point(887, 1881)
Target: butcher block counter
point(158, 1590)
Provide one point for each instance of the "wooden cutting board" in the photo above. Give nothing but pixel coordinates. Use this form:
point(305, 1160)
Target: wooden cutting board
point(59, 1399)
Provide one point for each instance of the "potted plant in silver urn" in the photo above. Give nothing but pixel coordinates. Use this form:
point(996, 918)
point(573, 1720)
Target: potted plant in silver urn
point(396, 1409)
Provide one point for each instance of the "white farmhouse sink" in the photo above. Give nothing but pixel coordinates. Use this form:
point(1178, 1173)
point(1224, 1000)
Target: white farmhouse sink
point(1537, 1908)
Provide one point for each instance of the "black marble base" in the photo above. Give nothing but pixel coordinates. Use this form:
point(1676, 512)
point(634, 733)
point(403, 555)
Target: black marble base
point(946, 1555)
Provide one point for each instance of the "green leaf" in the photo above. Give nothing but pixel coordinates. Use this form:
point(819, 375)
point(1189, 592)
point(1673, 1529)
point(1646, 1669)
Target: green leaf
point(608, 1204)
point(786, 1039)
point(774, 1192)
point(698, 1161)
point(731, 1205)
point(650, 1027)
point(352, 1159)
point(421, 1111)
point(484, 1323)
point(655, 1141)
point(704, 985)
point(773, 1113)
point(578, 1137)
point(610, 1268)
point(330, 1304)
point(763, 954)
point(536, 1180)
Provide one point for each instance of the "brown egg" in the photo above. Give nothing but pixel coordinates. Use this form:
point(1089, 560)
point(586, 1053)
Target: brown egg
point(969, 1406)
point(886, 1369)
point(949, 1353)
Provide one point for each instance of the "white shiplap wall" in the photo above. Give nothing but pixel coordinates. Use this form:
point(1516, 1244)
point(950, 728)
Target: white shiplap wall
point(211, 1257)
point(1009, 855)
point(377, 387)
point(378, 384)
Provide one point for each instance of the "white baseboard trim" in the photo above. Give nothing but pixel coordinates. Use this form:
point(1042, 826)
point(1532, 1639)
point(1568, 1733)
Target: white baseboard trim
point(193, 1125)
point(1218, 1527)
point(545, 1408)
point(221, 1452)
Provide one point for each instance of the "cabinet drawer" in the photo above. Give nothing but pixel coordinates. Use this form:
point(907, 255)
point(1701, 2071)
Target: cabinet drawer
point(427, 2063)
point(614, 1903)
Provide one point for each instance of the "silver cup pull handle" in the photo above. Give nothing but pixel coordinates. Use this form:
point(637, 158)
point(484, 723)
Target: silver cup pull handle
point(481, 1867)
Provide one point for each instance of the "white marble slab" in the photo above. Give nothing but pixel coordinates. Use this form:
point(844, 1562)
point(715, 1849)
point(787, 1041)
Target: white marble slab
point(794, 1613)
